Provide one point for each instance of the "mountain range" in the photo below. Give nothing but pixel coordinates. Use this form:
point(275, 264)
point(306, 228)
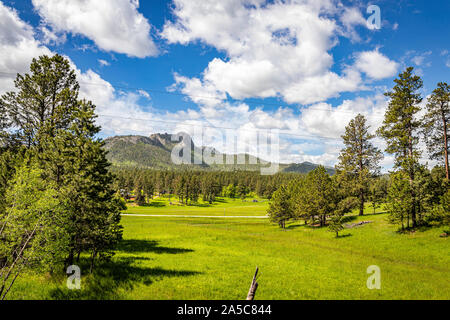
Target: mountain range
point(155, 152)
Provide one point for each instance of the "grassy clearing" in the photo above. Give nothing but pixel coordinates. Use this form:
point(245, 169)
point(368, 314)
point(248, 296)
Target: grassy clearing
point(222, 207)
point(214, 258)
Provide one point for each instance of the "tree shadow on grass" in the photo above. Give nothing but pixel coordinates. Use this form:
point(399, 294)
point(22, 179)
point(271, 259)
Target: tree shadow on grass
point(156, 204)
point(134, 245)
point(420, 228)
point(200, 205)
point(344, 235)
point(111, 279)
point(374, 214)
point(346, 219)
point(295, 226)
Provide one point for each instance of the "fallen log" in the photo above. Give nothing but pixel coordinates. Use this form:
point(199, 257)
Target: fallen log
point(352, 225)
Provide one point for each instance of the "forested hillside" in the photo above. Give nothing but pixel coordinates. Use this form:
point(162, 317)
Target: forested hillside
point(154, 152)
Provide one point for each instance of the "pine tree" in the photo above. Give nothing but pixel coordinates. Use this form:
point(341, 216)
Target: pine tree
point(194, 189)
point(149, 188)
point(436, 125)
point(208, 191)
point(60, 130)
point(400, 128)
point(423, 186)
point(317, 197)
point(335, 223)
point(440, 184)
point(4, 125)
point(378, 192)
point(280, 207)
point(169, 185)
point(297, 189)
point(260, 189)
point(139, 191)
point(45, 99)
point(358, 161)
point(88, 185)
point(242, 191)
point(400, 202)
point(445, 203)
point(181, 188)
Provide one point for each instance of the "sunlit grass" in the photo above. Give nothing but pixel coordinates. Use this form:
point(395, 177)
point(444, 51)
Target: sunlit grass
point(221, 207)
point(214, 258)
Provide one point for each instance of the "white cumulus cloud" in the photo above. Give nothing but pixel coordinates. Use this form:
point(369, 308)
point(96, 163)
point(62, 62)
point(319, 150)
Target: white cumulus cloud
point(114, 25)
point(376, 65)
point(274, 49)
point(18, 47)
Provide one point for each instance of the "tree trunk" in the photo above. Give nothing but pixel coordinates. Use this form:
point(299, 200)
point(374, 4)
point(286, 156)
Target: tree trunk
point(413, 209)
point(445, 147)
point(411, 181)
point(361, 204)
point(93, 256)
point(361, 195)
point(69, 260)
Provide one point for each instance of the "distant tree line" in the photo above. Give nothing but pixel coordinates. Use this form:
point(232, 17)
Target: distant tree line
point(192, 185)
point(414, 195)
point(57, 199)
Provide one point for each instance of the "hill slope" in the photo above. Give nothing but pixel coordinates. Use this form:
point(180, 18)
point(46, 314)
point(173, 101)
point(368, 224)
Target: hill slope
point(155, 152)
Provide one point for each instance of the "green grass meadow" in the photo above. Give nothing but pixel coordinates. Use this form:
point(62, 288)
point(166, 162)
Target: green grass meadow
point(215, 258)
point(222, 207)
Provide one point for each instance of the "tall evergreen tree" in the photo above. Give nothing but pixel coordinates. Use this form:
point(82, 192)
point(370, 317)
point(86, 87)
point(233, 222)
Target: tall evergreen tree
point(242, 191)
point(169, 185)
point(436, 125)
point(378, 192)
point(317, 197)
point(45, 99)
point(400, 128)
point(359, 160)
point(139, 191)
point(181, 188)
point(297, 189)
point(194, 188)
point(149, 188)
point(59, 129)
point(77, 162)
point(280, 207)
point(400, 203)
point(4, 125)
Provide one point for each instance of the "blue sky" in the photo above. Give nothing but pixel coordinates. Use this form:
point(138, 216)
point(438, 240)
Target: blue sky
point(302, 67)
